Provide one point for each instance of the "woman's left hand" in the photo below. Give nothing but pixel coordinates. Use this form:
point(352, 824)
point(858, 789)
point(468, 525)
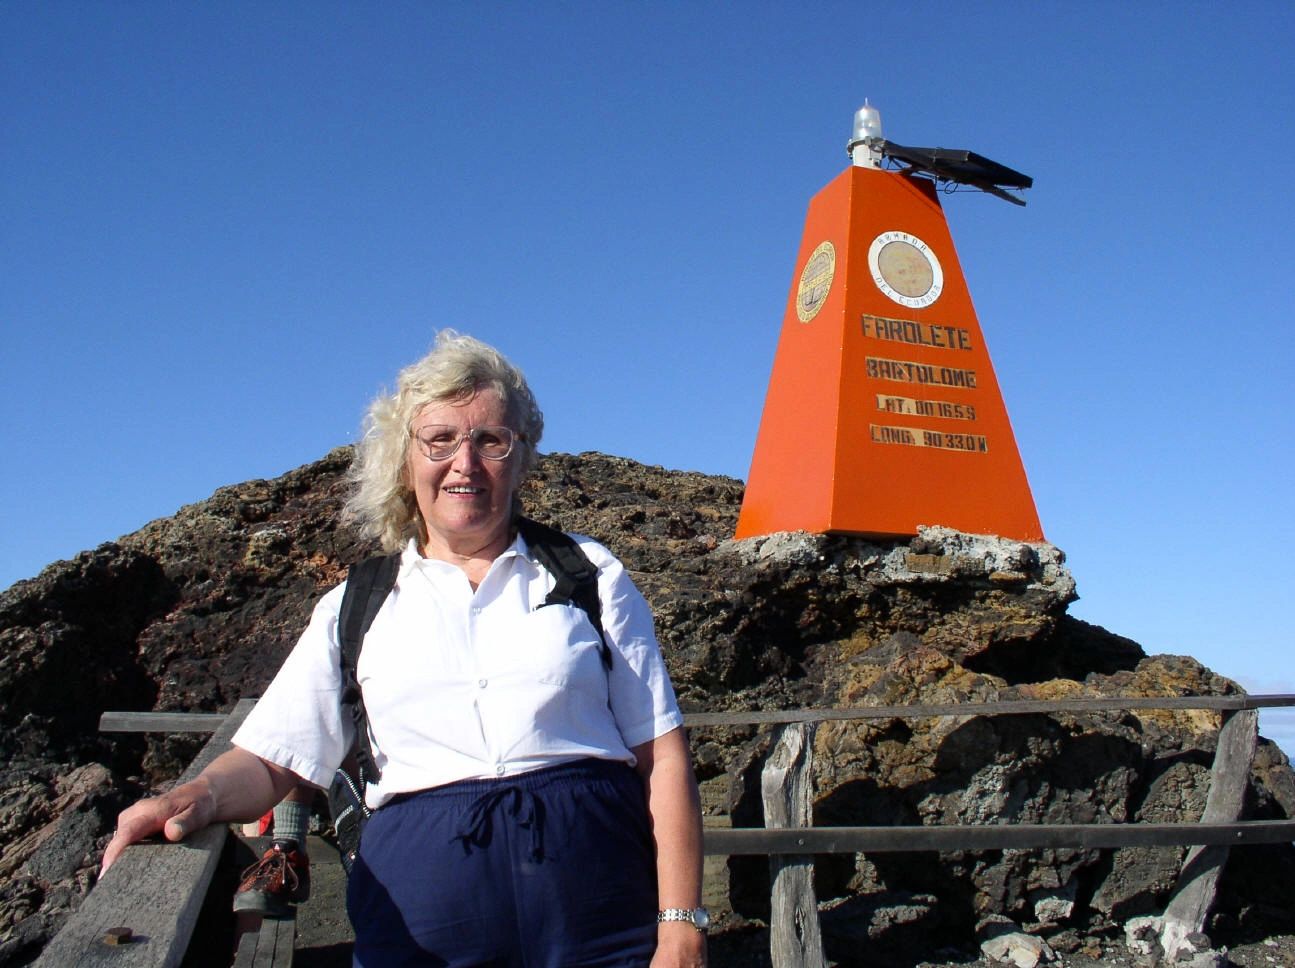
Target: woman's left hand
point(679, 945)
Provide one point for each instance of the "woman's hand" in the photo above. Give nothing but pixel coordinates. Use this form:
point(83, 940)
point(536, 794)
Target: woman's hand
point(175, 815)
point(679, 945)
point(238, 785)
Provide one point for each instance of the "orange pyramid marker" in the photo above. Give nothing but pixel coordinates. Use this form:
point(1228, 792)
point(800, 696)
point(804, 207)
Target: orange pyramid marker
point(883, 412)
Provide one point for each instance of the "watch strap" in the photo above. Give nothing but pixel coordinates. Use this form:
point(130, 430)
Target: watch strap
point(697, 917)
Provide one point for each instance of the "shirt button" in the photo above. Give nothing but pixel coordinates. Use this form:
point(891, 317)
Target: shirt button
point(499, 770)
point(482, 683)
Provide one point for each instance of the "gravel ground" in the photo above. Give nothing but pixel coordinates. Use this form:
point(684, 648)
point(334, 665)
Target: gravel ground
point(1279, 950)
point(749, 948)
point(324, 937)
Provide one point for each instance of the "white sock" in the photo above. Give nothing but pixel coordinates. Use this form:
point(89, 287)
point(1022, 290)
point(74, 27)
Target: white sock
point(291, 821)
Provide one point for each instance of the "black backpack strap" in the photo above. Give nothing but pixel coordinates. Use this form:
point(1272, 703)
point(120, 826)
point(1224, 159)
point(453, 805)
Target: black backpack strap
point(576, 577)
point(367, 586)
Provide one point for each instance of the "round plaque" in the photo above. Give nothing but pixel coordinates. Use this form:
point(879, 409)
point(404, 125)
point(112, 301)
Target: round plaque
point(905, 269)
point(815, 281)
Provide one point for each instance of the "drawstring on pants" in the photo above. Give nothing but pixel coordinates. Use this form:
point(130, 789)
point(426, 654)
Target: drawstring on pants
point(522, 805)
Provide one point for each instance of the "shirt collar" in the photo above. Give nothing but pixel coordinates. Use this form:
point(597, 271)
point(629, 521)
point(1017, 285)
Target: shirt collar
point(411, 557)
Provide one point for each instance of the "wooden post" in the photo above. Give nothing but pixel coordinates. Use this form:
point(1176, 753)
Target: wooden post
point(787, 788)
point(155, 889)
point(1194, 894)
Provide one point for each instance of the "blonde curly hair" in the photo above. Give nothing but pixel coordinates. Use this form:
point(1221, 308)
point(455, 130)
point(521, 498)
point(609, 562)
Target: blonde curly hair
point(458, 366)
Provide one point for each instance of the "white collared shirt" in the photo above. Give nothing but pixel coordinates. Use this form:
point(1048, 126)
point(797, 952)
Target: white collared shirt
point(470, 685)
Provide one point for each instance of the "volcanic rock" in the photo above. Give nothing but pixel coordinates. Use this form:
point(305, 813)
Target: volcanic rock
point(195, 611)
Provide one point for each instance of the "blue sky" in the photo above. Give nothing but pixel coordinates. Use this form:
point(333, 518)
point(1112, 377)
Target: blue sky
point(225, 226)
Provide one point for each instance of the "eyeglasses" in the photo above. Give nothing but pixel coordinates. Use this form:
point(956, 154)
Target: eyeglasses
point(441, 441)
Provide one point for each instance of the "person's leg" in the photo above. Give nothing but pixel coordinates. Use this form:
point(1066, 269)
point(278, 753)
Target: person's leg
point(418, 898)
point(282, 876)
point(590, 901)
point(292, 816)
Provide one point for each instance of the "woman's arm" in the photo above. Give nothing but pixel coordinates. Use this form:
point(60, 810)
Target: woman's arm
point(238, 785)
point(675, 809)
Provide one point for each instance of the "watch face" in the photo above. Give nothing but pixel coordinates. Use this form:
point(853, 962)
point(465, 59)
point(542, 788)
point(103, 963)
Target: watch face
point(905, 269)
point(701, 918)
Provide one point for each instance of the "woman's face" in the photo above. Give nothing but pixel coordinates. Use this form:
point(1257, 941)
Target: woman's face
point(466, 501)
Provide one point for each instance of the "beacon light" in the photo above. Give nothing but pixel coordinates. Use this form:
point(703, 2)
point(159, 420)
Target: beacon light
point(866, 140)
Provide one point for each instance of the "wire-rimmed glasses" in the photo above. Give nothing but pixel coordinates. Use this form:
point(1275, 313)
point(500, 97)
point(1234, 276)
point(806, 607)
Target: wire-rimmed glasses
point(441, 441)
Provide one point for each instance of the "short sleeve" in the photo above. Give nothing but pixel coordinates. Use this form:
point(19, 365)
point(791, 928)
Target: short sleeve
point(298, 722)
point(640, 693)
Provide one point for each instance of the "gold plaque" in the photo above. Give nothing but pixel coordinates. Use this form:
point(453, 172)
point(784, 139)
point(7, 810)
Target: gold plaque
point(816, 281)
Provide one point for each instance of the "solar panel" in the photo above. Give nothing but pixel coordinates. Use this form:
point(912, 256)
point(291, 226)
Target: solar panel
point(962, 167)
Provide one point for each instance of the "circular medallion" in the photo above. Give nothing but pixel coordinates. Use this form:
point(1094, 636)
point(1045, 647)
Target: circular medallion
point(816, 281)
point(905, 269)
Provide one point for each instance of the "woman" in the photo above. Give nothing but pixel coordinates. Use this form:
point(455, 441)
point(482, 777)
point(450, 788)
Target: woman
point(535, 807)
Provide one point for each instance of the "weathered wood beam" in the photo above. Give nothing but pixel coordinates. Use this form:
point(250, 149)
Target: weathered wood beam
point(969, 709)
point(1197, 881)
point(271, 946)
point(153, 722)
point(787, 787)
point(854, 840)
point(128, 722)
point(155, 889)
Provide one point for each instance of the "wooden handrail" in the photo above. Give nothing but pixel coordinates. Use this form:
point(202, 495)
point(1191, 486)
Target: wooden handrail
point(153, 722)
point(77, 945)
point(792, 845)
point(129, 722)
point(1015, 836)
point(155, 889)
point(1005, 708)
point(828, 840)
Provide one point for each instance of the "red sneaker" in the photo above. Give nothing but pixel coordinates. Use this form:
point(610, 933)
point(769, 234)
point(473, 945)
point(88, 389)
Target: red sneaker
point(280, 878)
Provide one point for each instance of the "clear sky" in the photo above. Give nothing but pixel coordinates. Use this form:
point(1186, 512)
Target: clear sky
point(223, 227)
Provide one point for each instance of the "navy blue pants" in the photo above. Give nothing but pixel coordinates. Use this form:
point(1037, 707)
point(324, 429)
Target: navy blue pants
point(550, 869)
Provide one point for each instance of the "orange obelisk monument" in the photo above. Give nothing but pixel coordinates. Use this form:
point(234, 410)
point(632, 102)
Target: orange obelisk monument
point(883, 412)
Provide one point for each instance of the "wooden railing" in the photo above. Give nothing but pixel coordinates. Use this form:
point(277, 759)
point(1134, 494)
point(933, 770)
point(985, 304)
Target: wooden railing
point(828, 840)
point(155, 890)
point(791, 841)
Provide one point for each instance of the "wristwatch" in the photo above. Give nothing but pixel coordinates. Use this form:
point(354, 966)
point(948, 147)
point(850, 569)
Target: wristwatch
point(699, 918)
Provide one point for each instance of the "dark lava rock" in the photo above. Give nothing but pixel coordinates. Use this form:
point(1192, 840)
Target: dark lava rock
point(195, 611)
